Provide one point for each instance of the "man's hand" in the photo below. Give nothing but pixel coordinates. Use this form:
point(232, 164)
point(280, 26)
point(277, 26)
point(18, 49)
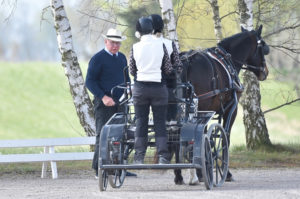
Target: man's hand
point(108, 101)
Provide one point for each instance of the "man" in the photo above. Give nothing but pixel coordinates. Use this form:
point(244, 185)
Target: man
point(104, 72)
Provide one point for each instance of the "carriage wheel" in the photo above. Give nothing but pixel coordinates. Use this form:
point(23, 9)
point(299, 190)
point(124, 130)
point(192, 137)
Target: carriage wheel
point(207, 162)
point(220, 153)
point(116, 156)
point(116, 180)
point(103, 179)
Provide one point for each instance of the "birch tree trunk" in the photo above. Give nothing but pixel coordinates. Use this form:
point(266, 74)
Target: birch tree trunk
point(169, 20)
point(216, 19)
point(253, 117)
point(72, 69)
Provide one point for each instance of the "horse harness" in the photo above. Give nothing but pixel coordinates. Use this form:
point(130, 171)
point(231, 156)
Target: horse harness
point(224, 59)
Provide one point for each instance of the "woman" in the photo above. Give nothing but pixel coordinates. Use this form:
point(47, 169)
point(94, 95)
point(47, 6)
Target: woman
point(149, 64)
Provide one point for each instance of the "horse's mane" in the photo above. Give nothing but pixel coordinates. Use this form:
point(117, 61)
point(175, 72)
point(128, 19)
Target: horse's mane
point(236, 38)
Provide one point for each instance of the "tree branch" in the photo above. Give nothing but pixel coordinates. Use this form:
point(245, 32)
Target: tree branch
point(293, 50)
point(277, 107)
point(92, 16)
point(292, 27)
point(230, 13)
point(286, 53)
point(11, 12)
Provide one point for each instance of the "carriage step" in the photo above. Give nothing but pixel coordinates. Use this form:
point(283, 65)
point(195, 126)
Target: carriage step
point(150, 166)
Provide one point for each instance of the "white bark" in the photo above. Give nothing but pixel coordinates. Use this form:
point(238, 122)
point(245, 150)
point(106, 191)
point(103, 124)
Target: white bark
point(72, 69)
point(169, 20)
point(216, 19)
point(253, 117)
point(246, 12)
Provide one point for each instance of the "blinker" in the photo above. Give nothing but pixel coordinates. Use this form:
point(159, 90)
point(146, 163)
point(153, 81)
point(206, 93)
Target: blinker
point(265, 48)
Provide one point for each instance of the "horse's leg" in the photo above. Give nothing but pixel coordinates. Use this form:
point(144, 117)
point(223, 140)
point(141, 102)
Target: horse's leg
point(229, 177)
point(193, 180)
point(178, 177)
point(199, 175)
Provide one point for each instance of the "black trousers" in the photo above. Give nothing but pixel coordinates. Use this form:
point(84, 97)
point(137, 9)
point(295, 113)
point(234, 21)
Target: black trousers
point(102, 114)
point(145, 96)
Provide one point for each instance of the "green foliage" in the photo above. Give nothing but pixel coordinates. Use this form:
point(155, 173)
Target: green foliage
point(128, 12)
point(195, 25)
point(130, 17)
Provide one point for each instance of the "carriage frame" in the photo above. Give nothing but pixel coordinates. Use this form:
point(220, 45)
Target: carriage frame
point(201, 146)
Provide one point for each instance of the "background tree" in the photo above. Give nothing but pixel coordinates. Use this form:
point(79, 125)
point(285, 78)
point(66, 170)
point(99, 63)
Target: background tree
point(73, 72)
point(168, 16)
point(216, 18)
point(253, 117)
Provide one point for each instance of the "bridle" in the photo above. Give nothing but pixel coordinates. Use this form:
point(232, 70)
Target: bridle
point(263, 50)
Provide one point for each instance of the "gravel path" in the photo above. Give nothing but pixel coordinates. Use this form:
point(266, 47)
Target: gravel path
point(252, 184)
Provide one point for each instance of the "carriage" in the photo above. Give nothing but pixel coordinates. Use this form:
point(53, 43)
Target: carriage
point(201, 146)
point(211, 77)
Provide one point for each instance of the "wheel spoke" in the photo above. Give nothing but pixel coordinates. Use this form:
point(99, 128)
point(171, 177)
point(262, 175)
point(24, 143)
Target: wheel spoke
point(219, 147)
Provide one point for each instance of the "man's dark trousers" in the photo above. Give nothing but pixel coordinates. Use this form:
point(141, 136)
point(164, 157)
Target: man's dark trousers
point(102, 114)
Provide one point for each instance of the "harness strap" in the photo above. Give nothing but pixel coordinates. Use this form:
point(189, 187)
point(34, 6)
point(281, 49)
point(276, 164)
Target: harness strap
point(189, 54)
point(224, 59)
point(212, 93)
point(213, 56)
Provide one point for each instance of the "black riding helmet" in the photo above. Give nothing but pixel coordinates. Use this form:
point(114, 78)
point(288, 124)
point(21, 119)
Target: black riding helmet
point(144, 26)
point(158, 24)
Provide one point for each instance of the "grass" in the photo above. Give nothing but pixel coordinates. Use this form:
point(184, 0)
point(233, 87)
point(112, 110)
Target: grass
point(36, 103)
point(278, 155)
point(28, 168)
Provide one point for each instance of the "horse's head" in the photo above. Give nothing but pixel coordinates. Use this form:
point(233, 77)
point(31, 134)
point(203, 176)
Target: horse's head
point(256, 59)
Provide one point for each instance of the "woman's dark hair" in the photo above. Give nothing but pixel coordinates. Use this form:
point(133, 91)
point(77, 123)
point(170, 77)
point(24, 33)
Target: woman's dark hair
point(158, 24)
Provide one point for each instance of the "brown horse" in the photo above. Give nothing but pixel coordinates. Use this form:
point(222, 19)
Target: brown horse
point(214, 75)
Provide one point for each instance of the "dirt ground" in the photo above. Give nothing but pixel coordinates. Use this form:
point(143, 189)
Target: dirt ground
point(252, 184)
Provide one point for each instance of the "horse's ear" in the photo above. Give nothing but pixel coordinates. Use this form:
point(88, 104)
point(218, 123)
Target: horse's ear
point(243, 29)
point(259, 30)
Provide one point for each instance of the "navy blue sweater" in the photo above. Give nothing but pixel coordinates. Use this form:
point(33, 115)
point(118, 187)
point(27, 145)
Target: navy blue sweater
point(105, 72)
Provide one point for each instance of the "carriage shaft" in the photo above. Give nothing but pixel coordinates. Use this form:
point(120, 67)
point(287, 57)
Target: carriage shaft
point(151, 166)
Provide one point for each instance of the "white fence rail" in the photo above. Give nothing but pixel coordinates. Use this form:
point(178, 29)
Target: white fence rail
point(49, 154)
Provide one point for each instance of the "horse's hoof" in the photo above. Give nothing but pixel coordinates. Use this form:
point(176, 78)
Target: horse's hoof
point(230, 179)
point(193, 181)
point(179, 181)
